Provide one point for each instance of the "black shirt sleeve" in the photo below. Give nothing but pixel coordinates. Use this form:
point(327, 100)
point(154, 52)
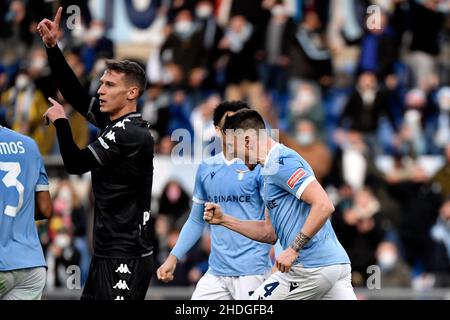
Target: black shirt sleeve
point(117, 143)
point(76, 161)
point(72, 90)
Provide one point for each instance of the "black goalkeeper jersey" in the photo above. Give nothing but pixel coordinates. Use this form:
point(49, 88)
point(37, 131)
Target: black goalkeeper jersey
point(122, 181)
point(122, 186)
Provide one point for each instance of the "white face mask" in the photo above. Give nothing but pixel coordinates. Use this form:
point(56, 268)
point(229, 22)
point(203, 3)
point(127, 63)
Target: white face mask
point(22, 81)
point(184, 28)
point(277, 11)
point(38, 63)
point(305, 139)
point(387, 260)
point(203, 12)
point(62, 240)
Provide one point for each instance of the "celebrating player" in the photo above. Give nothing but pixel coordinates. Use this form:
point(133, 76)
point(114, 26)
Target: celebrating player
point(237, 265)
point(313, 265)
point(24, 198)
point(121, 163)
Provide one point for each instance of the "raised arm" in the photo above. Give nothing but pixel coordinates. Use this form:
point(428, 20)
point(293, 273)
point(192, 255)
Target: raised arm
point(65, 79)
point(258, 230)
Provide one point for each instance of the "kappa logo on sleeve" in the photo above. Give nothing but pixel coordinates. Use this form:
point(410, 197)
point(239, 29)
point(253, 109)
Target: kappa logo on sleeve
point(300, 173)
point(111, 136)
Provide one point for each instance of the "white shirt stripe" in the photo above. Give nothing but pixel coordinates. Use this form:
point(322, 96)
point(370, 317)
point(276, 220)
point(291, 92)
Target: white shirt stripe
point(303, 186)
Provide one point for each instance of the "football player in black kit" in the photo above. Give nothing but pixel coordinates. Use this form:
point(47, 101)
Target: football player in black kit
point(121, 164)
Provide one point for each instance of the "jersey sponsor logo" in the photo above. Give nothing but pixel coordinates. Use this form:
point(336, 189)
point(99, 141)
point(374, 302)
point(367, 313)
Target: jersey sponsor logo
point(12, 147)
point(296, 176)
point(241, 173)
point(111, 136)
point(122, 285)
point(103, 143)
point(121, 124)
point(232, 198)
point(119, 298)
point(123, 268)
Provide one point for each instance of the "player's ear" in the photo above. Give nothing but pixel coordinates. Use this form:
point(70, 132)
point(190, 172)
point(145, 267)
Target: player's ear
point(133, 93)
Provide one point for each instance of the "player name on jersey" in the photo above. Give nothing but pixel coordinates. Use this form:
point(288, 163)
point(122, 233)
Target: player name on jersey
point(12, 147)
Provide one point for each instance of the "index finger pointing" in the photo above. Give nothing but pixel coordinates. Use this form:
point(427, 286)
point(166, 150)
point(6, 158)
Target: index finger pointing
point(57, 20)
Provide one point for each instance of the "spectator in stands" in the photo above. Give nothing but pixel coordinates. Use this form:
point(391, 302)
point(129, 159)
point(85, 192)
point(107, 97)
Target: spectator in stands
point(425, 45)
point(25, 106)
point(274, 55)
point(174, 201)
point(442, 135)
point(205, 137)
point(307, 104)
point(378, 50)
point(310, 59)
point(308, 144)
point(183, 55)
point(211, 33)
point(357, 226)
point(441, 180)
point(365, 106)
point(353, 165)
point(96, 45)
point(440, 233)
point(394, 271)
point(240, 46)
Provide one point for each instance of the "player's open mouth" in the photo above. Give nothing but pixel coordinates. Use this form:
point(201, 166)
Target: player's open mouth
point(102, 102)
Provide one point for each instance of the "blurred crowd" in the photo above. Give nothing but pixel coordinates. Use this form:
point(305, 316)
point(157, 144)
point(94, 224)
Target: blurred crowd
point(344, 84)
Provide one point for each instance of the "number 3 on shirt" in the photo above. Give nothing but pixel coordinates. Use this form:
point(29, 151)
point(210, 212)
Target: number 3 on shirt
point(10, 180)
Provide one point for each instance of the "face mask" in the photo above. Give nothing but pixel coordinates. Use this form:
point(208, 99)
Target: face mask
point(62, 240)
point(184, 29)
point(277, 11)
point(387, 261)
point(22, 82)
point(65, 195)
point(38, 64)
point(95, 33)
point(203, 12)
point(305, 139)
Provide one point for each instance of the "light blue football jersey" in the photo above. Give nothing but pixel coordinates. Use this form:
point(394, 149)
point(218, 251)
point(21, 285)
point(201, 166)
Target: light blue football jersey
point(286, 176)
point(22, 173)
point(238, 191)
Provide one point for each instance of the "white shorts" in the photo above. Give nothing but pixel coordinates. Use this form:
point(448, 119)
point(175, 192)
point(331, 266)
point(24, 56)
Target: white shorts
point(211, 287)
point(23, 284)
point(328, 283)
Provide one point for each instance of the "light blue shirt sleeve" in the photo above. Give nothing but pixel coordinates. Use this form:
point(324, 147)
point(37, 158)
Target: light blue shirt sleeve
point(191, 231)
point(200, 195)
point(294, 175)
point(42, 183)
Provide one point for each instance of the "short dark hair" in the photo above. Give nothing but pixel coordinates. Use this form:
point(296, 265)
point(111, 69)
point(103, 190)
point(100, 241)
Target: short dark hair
point(244, 119)
point(228, 106)
point(134, 73)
